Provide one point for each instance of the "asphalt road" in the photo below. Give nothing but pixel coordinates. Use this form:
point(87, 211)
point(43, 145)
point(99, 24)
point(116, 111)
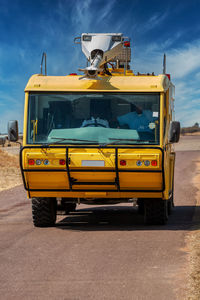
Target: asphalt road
point(97, 252)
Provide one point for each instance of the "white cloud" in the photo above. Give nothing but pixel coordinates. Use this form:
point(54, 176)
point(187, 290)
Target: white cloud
point(10, 114)
point(183, 64)
point(11, 109)
point(170, 41)
point(153, 22)
point(188, 119)
point(82, 15)
point(180, 62)
point(184, 61)
point(106, 11)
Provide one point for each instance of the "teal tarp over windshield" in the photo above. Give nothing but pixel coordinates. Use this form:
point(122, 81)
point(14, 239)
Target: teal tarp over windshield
point(94, 134)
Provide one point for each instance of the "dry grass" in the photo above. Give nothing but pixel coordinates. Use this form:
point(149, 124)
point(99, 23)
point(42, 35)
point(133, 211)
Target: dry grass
point(9, 171)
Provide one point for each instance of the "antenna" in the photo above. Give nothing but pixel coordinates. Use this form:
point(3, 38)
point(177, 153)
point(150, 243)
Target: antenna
point(44, 58)
point(164, 64)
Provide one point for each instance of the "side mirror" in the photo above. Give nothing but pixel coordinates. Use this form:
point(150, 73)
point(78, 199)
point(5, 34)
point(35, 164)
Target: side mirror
point(174, 132)
point(13, 131)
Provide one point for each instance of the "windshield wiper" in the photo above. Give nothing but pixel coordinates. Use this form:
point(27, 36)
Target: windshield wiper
point(116, 141)
point(60, 140)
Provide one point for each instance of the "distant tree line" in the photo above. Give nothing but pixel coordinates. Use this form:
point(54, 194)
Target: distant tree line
point(192, 129)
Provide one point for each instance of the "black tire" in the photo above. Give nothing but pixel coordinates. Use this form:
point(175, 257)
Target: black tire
point(140, 203)
point(44, 212)
point(155, 212)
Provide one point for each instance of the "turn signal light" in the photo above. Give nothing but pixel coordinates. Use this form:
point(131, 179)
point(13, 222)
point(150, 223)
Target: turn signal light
point(154, 163)
point(31, 162)
point(122, 163)
point(62, 162)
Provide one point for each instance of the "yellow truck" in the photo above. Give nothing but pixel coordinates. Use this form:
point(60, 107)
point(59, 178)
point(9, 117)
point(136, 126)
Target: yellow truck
point(104, 137)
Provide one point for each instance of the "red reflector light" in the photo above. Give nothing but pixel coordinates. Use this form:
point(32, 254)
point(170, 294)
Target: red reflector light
point(127, 44)
point(31, 162)
point(122, 163)
point(168, 75)
point(154, 163)
point(73, 74)
point(62, 162)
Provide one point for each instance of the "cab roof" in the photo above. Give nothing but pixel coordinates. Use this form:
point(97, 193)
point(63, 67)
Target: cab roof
point(135, 83)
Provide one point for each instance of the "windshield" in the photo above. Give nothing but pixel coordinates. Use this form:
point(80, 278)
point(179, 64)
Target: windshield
point(93, 118)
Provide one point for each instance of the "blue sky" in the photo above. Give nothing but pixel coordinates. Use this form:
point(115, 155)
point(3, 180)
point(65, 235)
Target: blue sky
point(27, 28)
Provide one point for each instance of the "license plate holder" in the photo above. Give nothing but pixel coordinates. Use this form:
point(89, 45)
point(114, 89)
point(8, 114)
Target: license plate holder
point(93, 163)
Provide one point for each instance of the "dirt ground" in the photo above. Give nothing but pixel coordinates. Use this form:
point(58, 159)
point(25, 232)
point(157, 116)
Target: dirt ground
point(95, 263)
point(188, 143)
point(193, 241)
point(191, 142)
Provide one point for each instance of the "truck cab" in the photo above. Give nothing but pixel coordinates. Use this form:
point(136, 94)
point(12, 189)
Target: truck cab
point(105, 137)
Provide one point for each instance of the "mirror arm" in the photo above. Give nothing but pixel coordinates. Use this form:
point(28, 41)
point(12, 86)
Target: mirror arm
point(167, 144)
point(19, 144)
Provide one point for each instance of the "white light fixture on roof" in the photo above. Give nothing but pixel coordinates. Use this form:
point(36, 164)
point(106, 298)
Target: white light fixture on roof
point(99, 48)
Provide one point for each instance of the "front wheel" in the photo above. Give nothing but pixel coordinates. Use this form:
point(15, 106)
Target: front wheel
point(44, 211)
point(155, 211)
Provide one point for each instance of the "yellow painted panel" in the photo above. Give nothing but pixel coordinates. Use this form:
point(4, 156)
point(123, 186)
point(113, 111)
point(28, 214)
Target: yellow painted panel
point(47, 180)
point(131, 83)
point(106, 155)
point(107, 195)
point(94, 176)
point(141, 181)
point(59, 180)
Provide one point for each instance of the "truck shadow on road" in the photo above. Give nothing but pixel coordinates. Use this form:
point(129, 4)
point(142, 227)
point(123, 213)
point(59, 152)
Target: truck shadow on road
point(123, 218)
